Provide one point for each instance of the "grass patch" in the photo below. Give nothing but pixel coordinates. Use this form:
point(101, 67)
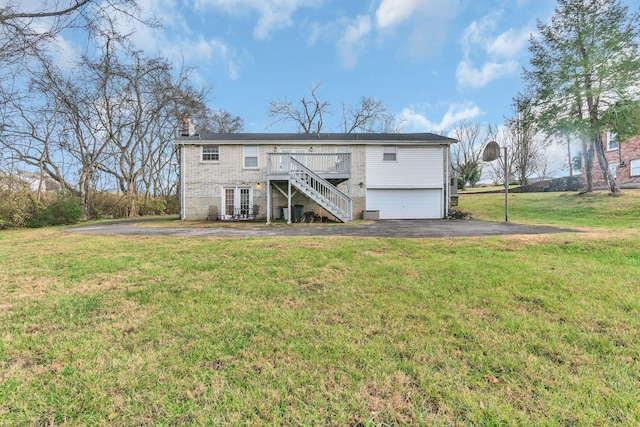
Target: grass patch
point(517, 330)
point(486, 189)
point(595, 210)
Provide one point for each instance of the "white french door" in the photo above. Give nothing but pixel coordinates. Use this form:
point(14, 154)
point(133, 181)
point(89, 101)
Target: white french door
point(237, 202)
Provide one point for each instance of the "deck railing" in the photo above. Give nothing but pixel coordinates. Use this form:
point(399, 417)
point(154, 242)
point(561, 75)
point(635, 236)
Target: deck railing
point(320, 163)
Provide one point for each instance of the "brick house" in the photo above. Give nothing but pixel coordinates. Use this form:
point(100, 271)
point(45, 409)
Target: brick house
point(623, 158)
point(338, 176)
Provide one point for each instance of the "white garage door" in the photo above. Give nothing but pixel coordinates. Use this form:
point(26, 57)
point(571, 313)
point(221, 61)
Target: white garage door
point(406, 204)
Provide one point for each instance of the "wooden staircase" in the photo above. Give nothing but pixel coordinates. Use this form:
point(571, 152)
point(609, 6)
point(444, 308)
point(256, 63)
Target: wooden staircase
point(321, 191)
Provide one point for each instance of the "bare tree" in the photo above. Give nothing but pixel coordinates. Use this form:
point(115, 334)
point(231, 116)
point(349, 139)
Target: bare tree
point(542, 165)
point(139, 98)
point(26, 32)
point(466, 155)
point(308, 117)
point(33, 140)
point(525, 144)
point(109, 115)
point(504, 136)
point(207, 120)
point(370, 115)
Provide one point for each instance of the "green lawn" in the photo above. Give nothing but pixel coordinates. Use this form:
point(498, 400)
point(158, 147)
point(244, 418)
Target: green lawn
point(518, 330)
point(597, 210)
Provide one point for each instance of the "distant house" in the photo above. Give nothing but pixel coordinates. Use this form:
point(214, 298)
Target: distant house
point(338, 176)
point(37, 181)
point(623, 158)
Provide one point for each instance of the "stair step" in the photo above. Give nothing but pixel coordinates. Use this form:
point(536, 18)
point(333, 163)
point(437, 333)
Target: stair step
point(304, 187)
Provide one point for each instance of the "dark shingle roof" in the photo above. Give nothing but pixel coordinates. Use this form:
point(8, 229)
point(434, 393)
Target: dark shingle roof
point(364, 138)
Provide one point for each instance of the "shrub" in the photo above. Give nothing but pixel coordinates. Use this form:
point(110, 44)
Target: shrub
point(173, 204)
point(152, 205)
point(104, 204)
point(18, 205)
point(63, 209)
point(113, 205)
point(20, 208)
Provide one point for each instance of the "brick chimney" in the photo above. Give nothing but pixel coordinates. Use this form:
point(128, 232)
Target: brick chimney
point(186, 127)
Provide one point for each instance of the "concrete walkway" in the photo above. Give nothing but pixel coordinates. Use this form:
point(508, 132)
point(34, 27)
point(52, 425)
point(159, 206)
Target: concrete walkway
point(384, 228)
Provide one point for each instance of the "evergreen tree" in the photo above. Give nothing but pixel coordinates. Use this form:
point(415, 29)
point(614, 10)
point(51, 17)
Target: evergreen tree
point(584, 62)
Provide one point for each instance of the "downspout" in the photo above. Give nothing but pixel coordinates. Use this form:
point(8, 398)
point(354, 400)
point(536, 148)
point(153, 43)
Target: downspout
point(182, 184)
point(349, 186)
point(447, 180)
point(289, 199)
point(269, 201)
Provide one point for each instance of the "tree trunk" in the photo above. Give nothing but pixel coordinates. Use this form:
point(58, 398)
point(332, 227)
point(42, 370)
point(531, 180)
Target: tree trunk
point(587, 157)
point(131, 201)
point(569, 156)
point(604, 165)
point(84, 195)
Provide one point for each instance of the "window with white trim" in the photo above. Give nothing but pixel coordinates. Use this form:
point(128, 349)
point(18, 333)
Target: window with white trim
point(250, 156)
point(635, 167)
point(210, 153)
point(389, 154)
point(612, 141)
point(614, 170)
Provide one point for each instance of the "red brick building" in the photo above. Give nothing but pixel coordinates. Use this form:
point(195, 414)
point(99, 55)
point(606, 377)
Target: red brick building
point(623, 158)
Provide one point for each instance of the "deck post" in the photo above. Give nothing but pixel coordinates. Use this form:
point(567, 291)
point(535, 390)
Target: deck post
point(289, 201)
point(269, 201)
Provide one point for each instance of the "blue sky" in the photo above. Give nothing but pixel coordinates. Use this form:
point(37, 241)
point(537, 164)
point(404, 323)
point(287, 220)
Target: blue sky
point(432, 62)
point(435, 62)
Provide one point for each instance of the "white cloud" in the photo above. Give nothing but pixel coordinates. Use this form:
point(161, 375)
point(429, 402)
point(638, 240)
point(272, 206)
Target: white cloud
point(474, 35)
point(469, 76)
point(178, 42)
point(417, 121)
point(427, 21)
point(273, 15)
point(422, 23)
point(204, 52)
point(497, 55)
point(510, 43)
point(393, 12)
point(351, 44)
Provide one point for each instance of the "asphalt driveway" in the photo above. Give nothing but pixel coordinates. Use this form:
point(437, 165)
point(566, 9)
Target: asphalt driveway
point(420, 229)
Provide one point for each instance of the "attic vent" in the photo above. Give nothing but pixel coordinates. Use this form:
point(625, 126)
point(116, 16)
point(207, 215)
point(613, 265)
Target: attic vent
point(186, 127)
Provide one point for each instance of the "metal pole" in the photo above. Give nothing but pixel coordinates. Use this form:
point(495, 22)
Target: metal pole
point(506, 186)
point(269, 201)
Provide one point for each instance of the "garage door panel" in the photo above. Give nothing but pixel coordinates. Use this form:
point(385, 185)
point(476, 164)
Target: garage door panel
point(405, 203)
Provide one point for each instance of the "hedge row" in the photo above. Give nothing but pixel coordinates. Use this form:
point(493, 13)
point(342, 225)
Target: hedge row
point(20, 207)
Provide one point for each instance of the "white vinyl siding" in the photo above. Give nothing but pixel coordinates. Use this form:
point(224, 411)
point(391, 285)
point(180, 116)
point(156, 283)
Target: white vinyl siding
point(412, 187)
point(416, 167)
